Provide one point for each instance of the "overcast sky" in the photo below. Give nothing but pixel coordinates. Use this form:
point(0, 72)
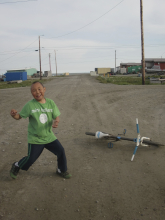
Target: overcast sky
point(85, 34)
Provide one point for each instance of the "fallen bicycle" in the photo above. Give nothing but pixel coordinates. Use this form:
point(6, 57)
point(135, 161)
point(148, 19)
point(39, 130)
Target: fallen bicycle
point(143, 141)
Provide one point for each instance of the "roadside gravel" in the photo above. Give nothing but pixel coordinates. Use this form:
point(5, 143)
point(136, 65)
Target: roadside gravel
point(105, 184)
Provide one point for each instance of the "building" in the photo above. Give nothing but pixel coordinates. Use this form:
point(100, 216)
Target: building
point(16, 76)
point(93, 73)
point(120, 70)
point(151, 65)
point(101, 71)
point(66, 74)
point(47, 73)
point(30, 71)
point(126, 65)
point(134, 69)
point(154, 63)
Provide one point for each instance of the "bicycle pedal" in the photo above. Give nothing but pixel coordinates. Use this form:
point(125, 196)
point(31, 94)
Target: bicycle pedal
point(110, 145)
point(124, 132)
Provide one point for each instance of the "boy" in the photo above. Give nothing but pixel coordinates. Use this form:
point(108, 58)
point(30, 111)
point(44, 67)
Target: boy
point(41, 112)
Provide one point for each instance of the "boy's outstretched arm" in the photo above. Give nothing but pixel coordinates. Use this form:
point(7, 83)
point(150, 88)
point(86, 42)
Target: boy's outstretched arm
point(15, 115)
point(55, 122)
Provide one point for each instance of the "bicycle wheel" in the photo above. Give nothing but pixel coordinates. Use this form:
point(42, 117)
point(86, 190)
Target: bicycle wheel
point(152, 143)
point(90, 133)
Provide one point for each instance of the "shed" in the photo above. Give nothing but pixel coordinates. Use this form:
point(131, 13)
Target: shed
point(29, 71)
point(155, 63)
point(103, 70)
point(47, 73)
point(66, 74)
point(93, 73)
point(127, 65)
point(12, 76)
point(134, 69)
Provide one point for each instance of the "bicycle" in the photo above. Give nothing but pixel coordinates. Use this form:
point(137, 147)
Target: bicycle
point(143, 141)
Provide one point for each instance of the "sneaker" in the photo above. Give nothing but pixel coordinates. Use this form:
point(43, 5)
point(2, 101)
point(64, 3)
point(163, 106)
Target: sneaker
point(14, 171)
point(65, 175)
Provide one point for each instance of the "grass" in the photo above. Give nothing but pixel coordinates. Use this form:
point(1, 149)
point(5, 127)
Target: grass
point(59, 76)
point(5, 85)
point(125, 80)
point(157, 76)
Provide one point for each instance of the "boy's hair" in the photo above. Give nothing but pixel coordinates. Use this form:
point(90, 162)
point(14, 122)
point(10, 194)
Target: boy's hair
point(37, 82)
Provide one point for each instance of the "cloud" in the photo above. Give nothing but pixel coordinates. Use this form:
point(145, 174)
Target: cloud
point(89, 47)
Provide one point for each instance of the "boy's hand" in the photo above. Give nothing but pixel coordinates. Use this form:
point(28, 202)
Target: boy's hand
point(55, 123)
point(13, 112)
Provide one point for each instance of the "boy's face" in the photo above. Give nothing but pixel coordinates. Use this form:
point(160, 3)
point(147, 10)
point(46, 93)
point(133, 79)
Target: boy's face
point(38, 92)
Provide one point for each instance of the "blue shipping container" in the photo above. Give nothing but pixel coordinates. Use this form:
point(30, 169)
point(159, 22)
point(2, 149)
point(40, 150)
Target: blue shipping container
point(16, 76)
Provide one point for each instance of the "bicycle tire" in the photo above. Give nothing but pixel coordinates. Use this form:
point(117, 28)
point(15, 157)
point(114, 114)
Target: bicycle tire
point(90, 133)
point(144, 141)
point(152, 143)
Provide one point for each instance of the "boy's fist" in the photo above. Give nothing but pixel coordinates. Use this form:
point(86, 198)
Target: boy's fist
point(13, 112)
point(55, 124)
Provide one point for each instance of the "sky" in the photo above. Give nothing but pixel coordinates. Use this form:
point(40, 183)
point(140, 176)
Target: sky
point(84, 34)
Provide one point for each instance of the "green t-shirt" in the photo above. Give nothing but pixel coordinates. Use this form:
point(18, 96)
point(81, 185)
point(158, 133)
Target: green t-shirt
point(40, 120)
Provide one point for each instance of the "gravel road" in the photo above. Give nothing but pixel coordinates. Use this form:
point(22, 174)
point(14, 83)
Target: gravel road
point(105, 184)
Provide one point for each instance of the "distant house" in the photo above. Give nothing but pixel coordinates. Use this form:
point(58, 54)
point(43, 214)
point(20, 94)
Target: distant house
point(66, 74)
point(120, 70)
point(117, 68)
point(103, 70)
point(126, 65)
point(30, 71)
point(155, 63)
point(47, 73)
point(16, 76)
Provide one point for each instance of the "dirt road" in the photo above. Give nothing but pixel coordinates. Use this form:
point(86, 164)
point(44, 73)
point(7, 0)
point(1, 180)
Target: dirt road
point(105, 184)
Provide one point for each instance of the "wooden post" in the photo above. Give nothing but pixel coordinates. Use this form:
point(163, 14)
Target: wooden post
point(142, 43)
point(40, 58)
point(55, 62)
point(115, 61)
point(50, 63)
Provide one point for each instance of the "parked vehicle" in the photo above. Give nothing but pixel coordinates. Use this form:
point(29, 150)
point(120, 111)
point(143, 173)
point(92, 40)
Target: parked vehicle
point(3, 78)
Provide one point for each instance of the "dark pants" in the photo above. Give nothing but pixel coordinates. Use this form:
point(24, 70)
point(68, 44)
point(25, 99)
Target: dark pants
point(34, 151)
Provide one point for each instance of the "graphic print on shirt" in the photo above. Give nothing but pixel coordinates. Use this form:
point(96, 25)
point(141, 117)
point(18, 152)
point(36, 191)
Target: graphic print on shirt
point(43, 118)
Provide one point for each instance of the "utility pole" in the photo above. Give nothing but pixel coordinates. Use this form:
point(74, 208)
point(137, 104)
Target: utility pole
point(142, 43)
point(50, 63)
point(40, 58)
point(55, 62)
point(115, 61)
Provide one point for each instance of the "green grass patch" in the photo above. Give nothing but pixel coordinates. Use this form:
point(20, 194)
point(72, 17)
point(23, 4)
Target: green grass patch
point(156, 76)
point(59, 76)
point(26, 83)
point(123, 80)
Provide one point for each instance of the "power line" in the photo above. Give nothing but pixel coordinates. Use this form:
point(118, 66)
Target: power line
point(90, 61)
point(100, 47)
point(85, 61)
point(19, 51)
point(88, 23)
point(21, 57)
point(19, 1)
point(81, 47)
